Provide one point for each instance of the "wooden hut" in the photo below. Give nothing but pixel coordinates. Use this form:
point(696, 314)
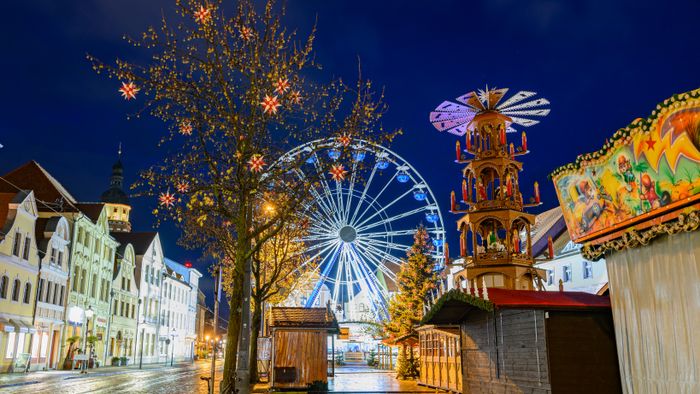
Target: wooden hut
point(523, 341)
point(300, 346)
point(440, 357)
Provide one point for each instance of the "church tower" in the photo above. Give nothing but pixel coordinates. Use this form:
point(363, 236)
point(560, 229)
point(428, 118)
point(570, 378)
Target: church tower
point(494, 230)
point(116, 199)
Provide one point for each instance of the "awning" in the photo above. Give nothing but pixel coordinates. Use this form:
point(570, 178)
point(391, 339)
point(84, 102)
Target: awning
point(6, 326)
point(23, 326)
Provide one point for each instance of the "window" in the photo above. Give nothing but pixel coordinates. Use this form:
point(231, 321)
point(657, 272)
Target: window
point(123, 284)
point(55, 294)
point(27, 244)
point(47, 296)
point(566, 273)
point(75, 279)
point(60, 300)
point(27, 292)
point(133, 315)
point(3, 286)
point(15, 290)
point(587, 269)
point(60, 259)
point(53, 256)
point(83, 280)
point(550, 277)
point(121, 312)
point(93, 288)
point(40, 293)
point(17, 244)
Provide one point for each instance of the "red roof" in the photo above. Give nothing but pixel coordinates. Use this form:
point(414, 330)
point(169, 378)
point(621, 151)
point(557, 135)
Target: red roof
point(502, 298)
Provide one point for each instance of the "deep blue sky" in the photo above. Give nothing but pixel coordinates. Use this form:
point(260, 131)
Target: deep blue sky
point(600, 63)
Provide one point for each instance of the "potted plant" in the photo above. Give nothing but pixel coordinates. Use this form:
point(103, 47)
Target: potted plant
point(116, 361)
point(68, 361)
point(124, 361)
point(91, 340)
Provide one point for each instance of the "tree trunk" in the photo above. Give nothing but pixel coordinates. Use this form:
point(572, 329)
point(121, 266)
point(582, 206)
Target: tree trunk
point(234, 329)
point(255, 332)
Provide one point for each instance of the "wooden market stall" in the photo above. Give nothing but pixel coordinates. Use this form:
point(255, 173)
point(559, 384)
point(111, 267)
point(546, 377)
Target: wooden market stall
point(440, 358)
point(523, 341)
point(300, 346)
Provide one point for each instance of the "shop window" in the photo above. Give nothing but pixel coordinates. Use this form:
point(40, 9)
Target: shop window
point(44, 344)
point(10, 351)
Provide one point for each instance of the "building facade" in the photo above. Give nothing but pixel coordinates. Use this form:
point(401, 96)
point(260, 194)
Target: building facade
point(19, 269)
point(179, 308)
point(148, 273)
point(53, 236)
point(122, 327)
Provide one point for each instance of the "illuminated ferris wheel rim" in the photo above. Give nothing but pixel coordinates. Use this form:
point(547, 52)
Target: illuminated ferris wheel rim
point(344, 220)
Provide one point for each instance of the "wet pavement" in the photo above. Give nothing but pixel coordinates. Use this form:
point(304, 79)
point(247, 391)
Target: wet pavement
point(181, 378)
point(362, 379)
point(185, 378)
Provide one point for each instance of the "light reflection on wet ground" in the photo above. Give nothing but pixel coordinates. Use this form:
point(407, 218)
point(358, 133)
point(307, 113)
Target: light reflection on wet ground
point(178, 379)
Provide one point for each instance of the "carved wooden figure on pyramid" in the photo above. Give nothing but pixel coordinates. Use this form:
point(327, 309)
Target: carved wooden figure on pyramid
point(492, 219)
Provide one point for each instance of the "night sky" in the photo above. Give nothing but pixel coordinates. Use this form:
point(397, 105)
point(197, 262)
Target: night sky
point(601, 64)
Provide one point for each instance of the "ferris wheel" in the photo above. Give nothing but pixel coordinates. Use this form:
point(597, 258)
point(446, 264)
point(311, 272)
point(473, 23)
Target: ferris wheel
point(360, 227)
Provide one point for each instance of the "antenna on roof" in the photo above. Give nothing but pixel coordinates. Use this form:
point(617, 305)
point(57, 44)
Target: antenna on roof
point(119, 152)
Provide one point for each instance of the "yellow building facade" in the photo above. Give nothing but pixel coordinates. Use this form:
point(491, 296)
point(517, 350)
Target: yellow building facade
point(19, 268)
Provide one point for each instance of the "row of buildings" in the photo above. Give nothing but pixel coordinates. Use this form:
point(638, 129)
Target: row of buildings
point(75, 279)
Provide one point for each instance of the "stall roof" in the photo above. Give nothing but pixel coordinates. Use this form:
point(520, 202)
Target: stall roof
point(454, 305)
point(303, 318)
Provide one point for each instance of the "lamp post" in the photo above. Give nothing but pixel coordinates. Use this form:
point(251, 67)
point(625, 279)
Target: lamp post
point(89, 313)
point(173, 334)
point(109, 324)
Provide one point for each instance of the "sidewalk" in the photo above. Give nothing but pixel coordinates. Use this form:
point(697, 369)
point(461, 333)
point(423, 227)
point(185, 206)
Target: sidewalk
point(20, 379)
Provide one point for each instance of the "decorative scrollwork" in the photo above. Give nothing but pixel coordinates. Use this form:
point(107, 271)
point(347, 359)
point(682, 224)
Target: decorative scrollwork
point(631, 239)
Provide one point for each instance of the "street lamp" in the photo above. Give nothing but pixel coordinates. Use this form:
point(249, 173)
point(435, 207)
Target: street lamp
point(172, 357)
point(89, 313)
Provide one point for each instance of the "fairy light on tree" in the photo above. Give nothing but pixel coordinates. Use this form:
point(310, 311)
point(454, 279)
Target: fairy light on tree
point(230, 91)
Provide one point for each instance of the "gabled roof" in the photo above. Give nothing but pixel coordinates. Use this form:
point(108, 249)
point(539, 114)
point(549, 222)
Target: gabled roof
point(549, 223)
point(91, 209)
point(303, 318)
point(454, 305)
point(46, 188)
point(140, 241)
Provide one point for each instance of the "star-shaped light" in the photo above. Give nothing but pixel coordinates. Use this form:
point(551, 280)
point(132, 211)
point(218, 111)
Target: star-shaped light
point(295, 97)
point(650, 143)
point(246, 33)
point(129, 90)
point(338, 172)
point(185, 128)
point(183, 187)
point(202, 15)
point(166, 199)
point(256, 163)
point(281, 86)
point(270, 104)
point(344, 140)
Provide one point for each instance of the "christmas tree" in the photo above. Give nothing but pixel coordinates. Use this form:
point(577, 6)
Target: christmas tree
point(415, 280)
